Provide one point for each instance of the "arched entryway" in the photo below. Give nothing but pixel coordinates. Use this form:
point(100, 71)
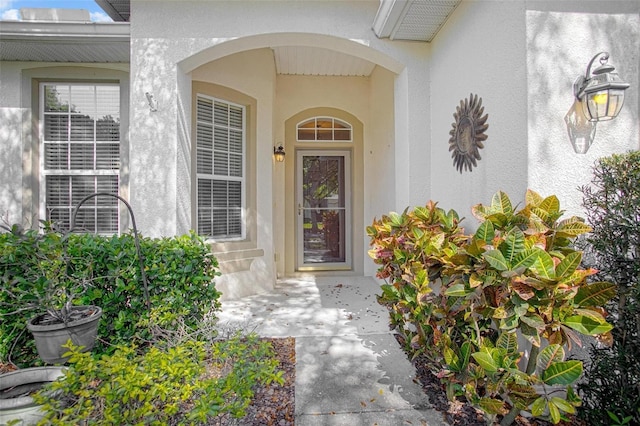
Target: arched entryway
point(280, 99)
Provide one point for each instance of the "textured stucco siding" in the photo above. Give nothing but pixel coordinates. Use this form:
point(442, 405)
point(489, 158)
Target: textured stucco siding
point(522, 58)
point(481, 50)
point(560, 44)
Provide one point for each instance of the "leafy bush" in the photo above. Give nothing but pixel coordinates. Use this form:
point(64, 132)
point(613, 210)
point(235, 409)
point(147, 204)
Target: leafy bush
point(611, 390)
point(189, 383)
point(43, 285)
point(463, 301)
point(180, 272)
point(23, 255)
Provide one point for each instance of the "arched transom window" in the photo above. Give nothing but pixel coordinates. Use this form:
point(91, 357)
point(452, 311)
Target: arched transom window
point(324, 129)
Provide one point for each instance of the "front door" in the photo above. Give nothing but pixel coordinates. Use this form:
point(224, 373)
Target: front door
point(323, 210)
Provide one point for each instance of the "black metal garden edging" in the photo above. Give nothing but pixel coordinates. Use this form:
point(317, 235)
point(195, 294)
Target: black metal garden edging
point(135, 235)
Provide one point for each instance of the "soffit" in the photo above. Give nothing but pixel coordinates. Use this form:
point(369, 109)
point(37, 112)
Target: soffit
point(396, 19)
point(118, 10)
point(72, 42)
point(300, 60)
point(418, 20)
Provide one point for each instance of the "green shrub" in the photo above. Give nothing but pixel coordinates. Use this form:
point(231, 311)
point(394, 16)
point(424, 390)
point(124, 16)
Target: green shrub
point(180, 273)
point(189, 383)
point(611, 389)
point(463, 300)
point(22, 257)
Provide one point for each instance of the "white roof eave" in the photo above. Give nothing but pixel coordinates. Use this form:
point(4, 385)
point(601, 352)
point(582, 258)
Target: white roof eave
point(416, 20)
point(387, 18)
point(64, 41)
point(23, 30)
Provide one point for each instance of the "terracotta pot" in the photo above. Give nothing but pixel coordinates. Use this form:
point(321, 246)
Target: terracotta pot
point(15, 405)
point(50, 338)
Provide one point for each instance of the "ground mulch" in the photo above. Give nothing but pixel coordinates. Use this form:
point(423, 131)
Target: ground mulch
point(273, 404)
point(6, 368)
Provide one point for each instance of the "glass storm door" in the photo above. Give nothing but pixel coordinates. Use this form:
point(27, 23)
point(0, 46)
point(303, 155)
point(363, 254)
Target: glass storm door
point(323, 215)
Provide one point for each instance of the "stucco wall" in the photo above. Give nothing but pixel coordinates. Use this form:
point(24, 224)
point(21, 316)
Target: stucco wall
point(561, 40)
point(11, 134)
point(522, 58)
point(379, 155)
point(480, 50)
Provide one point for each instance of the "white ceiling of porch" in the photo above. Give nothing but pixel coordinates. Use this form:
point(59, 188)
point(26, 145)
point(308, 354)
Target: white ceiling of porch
point(414, 20)
point(297, 60)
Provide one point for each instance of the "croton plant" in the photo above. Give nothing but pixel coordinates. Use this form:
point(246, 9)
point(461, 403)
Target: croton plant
point(494, 312)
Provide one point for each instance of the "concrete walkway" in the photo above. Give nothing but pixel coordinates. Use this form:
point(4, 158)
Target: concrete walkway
point(350, 370)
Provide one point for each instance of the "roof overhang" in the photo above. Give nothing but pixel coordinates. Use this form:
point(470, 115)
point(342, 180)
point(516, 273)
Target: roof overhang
point(45, 41)
point(56, 41)
point(118, 10)
point(418, 20)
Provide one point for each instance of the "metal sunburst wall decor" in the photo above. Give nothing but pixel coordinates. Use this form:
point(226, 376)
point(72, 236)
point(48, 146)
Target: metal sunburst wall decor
point(468, 134)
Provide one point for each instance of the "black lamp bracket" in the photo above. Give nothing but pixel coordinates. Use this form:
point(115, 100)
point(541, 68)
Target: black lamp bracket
point(582, 80)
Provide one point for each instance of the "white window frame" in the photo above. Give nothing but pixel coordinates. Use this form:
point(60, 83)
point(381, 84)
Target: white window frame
point(333, 128)
point(212, 176)
point(44, 173)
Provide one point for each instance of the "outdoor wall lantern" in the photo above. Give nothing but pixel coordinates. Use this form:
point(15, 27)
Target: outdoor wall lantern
point(600, 91)
point(278, 153)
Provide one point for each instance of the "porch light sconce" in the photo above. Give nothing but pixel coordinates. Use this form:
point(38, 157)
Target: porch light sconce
point(278, 153)
point(153, 103)
point(601, 92)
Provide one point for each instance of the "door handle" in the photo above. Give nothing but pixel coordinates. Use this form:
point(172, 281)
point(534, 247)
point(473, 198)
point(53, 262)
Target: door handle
point(299, 209)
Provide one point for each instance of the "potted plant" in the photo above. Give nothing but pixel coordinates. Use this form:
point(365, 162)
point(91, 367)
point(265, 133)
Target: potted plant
point(51, 331)
point(16, 388)
point(38, 275)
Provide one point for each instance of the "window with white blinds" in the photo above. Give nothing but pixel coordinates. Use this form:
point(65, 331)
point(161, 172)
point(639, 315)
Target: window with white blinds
point(80, 154)
point(220, 155)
